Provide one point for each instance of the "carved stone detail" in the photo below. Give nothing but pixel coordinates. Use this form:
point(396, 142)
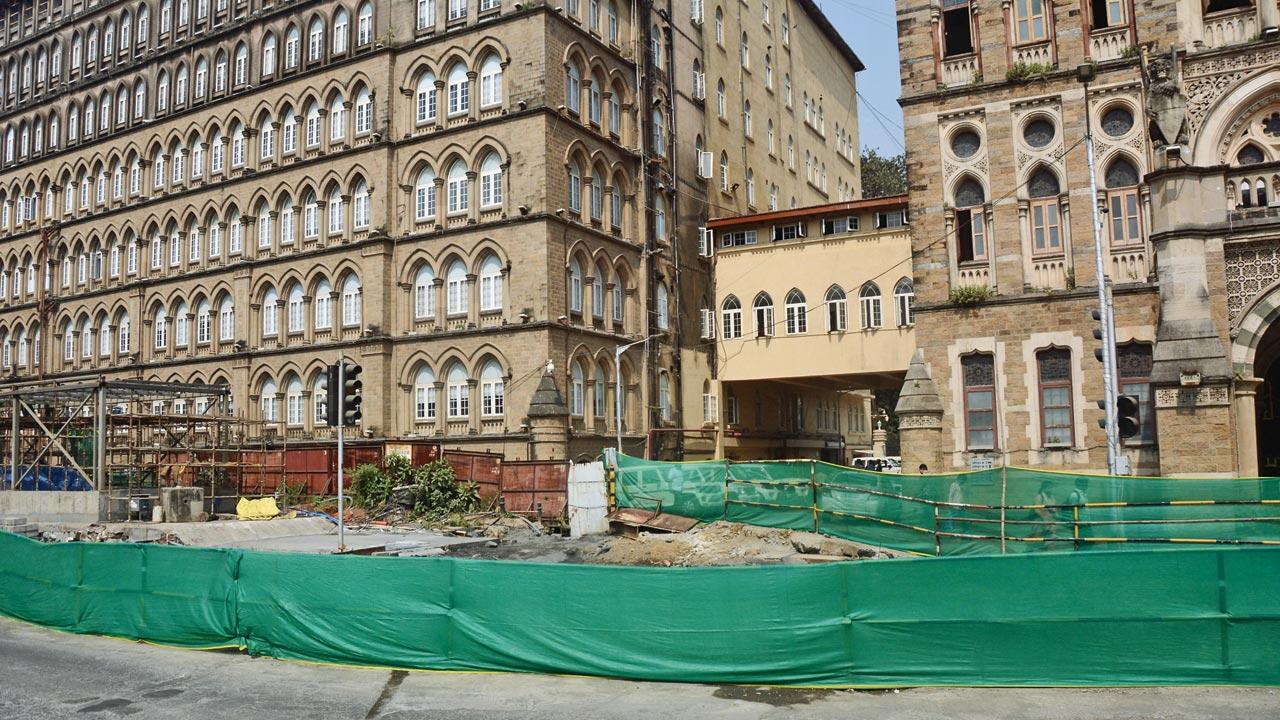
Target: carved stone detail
point(1186, 397)
point(1250, 269)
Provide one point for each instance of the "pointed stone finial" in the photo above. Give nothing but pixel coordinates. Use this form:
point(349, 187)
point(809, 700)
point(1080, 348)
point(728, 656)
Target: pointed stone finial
point(919, 395)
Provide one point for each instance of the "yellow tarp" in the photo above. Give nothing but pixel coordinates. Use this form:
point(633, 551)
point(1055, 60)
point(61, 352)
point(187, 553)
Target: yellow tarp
point(260, 509)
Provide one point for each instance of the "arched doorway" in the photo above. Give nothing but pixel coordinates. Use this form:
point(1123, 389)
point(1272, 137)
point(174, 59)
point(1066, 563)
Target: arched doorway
point(1266, 366)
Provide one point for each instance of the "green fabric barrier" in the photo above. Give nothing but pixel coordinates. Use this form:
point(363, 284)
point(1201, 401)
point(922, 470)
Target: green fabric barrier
point(1170, 617)
point(960, 513)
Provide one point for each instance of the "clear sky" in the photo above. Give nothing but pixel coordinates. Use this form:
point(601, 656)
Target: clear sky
point(870, 28)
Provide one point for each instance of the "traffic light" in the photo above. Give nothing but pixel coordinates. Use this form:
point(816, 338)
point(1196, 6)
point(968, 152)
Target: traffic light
point(1127, 421)
point(332, 396)
point(351, 397)
point(1096, 314)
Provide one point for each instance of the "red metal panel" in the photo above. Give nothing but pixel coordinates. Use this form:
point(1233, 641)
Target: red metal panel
point(528, 484)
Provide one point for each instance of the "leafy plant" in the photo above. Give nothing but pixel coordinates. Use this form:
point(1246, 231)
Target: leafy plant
point(1022, 71)
point(292, 494)
point(436, 492)
point(370, 487)
point(970, 294)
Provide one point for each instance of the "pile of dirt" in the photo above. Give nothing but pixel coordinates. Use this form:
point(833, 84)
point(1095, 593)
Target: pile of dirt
point(719, 543)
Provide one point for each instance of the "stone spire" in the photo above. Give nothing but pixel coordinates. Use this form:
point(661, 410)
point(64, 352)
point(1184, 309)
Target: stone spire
point(548, 420)
point(919, 412)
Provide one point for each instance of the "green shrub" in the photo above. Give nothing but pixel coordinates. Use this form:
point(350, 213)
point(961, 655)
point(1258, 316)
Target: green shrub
point(1025, 71)
point(370, 487)
point(436, 492)
point(970, 294)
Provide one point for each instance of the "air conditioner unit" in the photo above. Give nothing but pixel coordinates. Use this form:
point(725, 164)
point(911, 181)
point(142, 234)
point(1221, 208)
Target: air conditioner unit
point(706, 242)
point(704, 164)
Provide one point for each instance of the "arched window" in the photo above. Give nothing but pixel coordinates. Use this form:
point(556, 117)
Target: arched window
point(160, 329)
point(426, 14)
point(459, 87)
point(360, 206)
point(724, 172)
point(573, 87)
point(351, 301)
point(241, 74)
point(492, 390)
point(268, 55)
point(491, 181)
point(490, 81)
point(292, 42)
point(599, 395)
point(204, 323)
point(837, 309)
point(458, 188)
point(337, 214)
point(615, 110)
point(577, 389)
point(104, 340)
point(1122, 199)
point(970, 222)
point(269, 390)
point(762, 308)
point(797, 316)
point(310, 216)
point(323, 304)
point(424, 394)
point(719, 26)
point(745, 52)
point(337, 119)
point(425, 195)
point(459, 393)
point(315, 41)
point(426, 98)
point(226, 320)
point(575, 187)
point(294, 309)
point(490, 284)
point(181, 338)
point(364, 112)
point(575, 286)
point(320, 399)
point(270, 313)
point(613, 22)
point(457, 290)
point(424, 293)
point(1046, 235)
point(663, 303)
point(904, 299)
point(659, 217)
point(267, 140)
point(731, 318)
point(595, 90)
point(664, 396)
point(869, 301)
point(659, 133)
point(341, 31)
point(721, 103)
point(364, 24)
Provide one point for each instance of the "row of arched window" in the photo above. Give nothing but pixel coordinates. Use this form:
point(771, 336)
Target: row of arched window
point(289, 222)
point(183, 84)
point(795, 309)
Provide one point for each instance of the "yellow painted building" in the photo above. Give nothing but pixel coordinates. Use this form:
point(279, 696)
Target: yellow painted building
point(813, 311)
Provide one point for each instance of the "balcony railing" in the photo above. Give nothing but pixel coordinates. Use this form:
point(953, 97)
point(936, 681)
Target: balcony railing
point(1038, 54)
point(1129, 265)
point(1230, 27)
point(1109, 43)
point(972, 276)
point(961, 70)
point(1049, 273)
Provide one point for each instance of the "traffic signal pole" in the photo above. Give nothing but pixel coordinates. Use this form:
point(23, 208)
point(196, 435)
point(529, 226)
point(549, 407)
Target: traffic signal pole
point(1106, 310)
point(342, 529)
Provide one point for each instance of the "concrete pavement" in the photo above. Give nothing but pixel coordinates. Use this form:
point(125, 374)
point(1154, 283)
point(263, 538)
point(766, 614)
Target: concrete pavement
point(56, 676)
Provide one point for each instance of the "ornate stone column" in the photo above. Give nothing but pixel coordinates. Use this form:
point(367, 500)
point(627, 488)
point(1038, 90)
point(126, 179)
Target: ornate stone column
point(1246, 394)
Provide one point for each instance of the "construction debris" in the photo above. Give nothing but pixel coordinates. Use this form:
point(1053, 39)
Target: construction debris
point(719, 543)
point(19, 526)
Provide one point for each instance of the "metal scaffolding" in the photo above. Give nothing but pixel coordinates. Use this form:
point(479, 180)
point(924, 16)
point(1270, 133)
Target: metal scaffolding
point(129, 438)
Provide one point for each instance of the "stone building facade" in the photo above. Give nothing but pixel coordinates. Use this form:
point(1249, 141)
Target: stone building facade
point(1185, 111)
point(455, 194)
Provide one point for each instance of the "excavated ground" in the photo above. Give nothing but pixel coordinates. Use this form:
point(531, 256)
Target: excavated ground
point(719, 543)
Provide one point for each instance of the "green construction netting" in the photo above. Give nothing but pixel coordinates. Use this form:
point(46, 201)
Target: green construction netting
point(1170, 617)
point(1006, 510)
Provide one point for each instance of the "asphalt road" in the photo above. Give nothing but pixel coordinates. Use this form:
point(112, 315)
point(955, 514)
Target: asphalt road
point(46, 675)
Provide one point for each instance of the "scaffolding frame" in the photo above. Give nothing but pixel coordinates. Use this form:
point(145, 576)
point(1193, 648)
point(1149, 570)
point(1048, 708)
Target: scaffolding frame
point(129, 438)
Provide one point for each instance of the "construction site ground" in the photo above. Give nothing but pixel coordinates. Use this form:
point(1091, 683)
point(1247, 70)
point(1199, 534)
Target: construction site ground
point(718, 543)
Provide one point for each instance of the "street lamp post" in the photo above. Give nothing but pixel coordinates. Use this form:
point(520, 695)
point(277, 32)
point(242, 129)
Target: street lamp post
point(1086, 73)
point(617, 385)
